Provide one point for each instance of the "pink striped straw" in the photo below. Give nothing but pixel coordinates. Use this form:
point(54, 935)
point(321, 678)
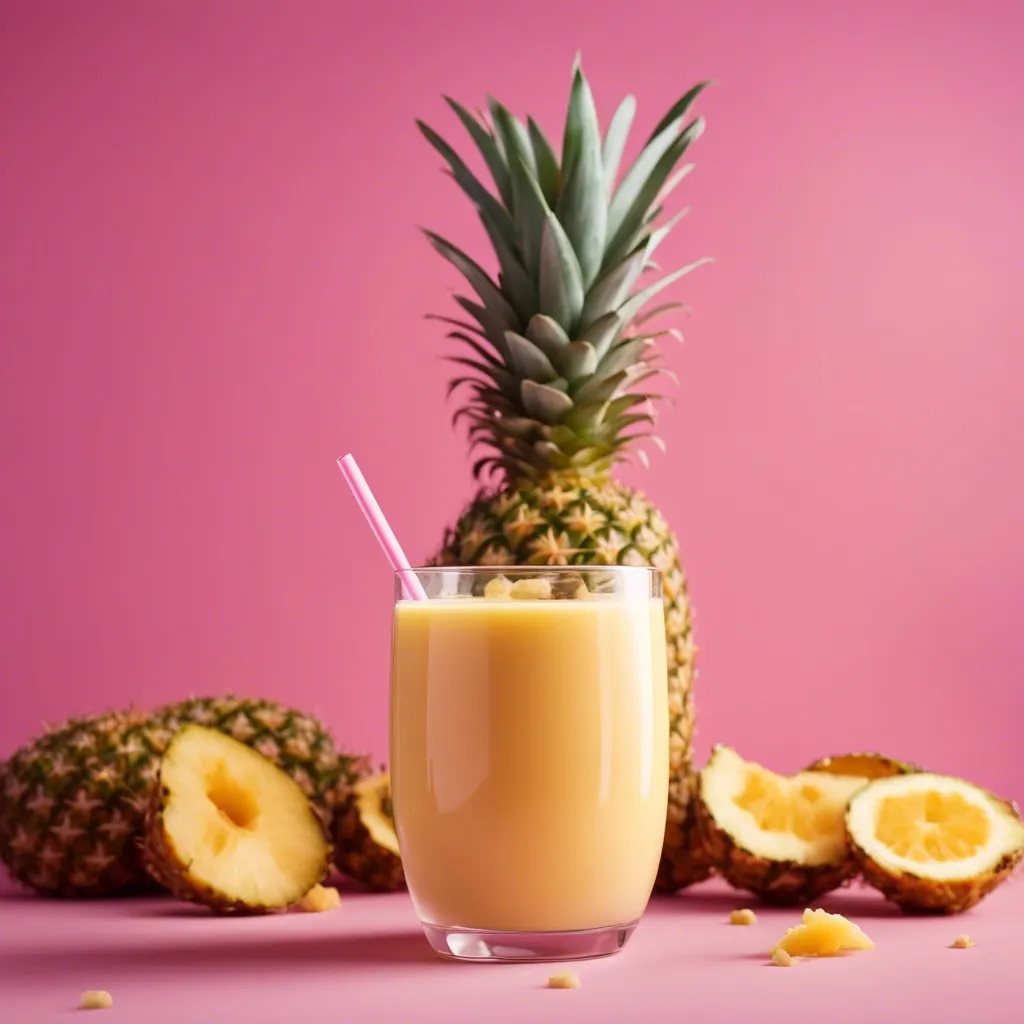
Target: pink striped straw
point(385, 537)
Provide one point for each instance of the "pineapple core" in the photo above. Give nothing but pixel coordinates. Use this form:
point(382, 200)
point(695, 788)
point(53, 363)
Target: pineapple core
point(932, 826)
point(236, 805)
point(822, 934)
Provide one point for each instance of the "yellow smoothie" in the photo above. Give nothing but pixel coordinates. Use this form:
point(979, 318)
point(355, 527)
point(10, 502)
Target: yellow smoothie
point(529, 759)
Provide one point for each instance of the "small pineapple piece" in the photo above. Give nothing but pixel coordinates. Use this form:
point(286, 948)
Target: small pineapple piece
point(566, 979)
point(229, 829)
point(822, 934)
point(319, 899)
point(962, 942)
point(498, 589)
point(782, 959)
point(531, 590)
point(95, 999)
point(744, 916)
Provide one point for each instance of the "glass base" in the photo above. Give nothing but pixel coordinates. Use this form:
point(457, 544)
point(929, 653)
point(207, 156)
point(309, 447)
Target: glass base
point(526, 947)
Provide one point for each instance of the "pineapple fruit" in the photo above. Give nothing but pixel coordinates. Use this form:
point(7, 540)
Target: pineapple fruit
point(931, 843)
point(822, 934)
point(365, 843)
point(229, 830)
point(73, 802)
point(559, 358)
point(781, 838)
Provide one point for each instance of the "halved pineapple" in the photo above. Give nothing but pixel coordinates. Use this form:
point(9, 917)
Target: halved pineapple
point(822, 934)
point(365, 842)
point(780, 837)
point(230, 830)
point(933, 843)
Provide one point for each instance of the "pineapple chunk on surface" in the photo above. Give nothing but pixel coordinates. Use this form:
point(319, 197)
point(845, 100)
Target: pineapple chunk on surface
point(782, 959)
point(95, 999)
point(319, 899)
point(962, 942)
point(565, 979)
point(743, 917)
point(822, 934)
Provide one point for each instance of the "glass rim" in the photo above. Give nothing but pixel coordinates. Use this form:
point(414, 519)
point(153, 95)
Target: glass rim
point(498, 570)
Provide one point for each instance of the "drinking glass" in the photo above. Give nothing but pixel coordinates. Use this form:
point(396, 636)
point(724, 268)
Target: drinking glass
point(529, 756)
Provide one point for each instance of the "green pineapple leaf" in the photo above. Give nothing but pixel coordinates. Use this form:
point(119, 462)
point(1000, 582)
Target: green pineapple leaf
point(546, 333)
point(636, 302)
point(514, 139)
point(488, 150)
point(549, 175)
point(561, 283)
point(515, 282)
point(615, 142)
point(603, 331)
point(528, 361)
point(609, 292)
point(582, 208)
point(679, 109)
point(493, 326)
point(488, 291)
point(623, 355)
point(633, 217)
point(507, 383)
point(577, 359)
point(531, 214)
point(543, 402)
point(469, 184)
point(600, 389)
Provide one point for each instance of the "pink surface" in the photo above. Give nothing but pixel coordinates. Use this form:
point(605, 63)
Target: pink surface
point(211, 286)
point(165, 963)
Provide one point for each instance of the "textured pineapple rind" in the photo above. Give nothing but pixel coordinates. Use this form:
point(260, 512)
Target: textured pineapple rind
point(916, 895)
point(782, 882)
point(165, 865)
point(73, 802)
point(357, 856)
point(570, 521)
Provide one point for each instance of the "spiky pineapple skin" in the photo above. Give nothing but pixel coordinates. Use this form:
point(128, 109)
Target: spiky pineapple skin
point(602, 522)
point(356, 855)
point(73, 803)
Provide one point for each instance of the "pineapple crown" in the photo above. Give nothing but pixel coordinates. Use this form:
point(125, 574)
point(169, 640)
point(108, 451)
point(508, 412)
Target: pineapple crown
point(558, 357)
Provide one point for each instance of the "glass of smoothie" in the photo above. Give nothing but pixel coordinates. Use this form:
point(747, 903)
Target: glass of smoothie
point(529, 756)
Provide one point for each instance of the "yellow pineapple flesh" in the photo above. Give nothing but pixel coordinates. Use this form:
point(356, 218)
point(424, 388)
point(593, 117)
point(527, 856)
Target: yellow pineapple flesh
point(934, 843)
point(230, 830)
point(780, 837)
point(822, 934)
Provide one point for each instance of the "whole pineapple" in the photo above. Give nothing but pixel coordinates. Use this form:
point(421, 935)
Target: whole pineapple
point(73, 802)
point(559, 360)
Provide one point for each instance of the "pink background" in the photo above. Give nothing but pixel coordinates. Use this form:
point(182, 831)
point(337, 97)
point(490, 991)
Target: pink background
point(211, 286)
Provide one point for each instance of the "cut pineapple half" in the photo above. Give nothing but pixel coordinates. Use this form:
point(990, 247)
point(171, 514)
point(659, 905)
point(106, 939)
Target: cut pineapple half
point(822, 934)
point(933, 843)
point(780, 837)
point(365, 841)
point(230, 830)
